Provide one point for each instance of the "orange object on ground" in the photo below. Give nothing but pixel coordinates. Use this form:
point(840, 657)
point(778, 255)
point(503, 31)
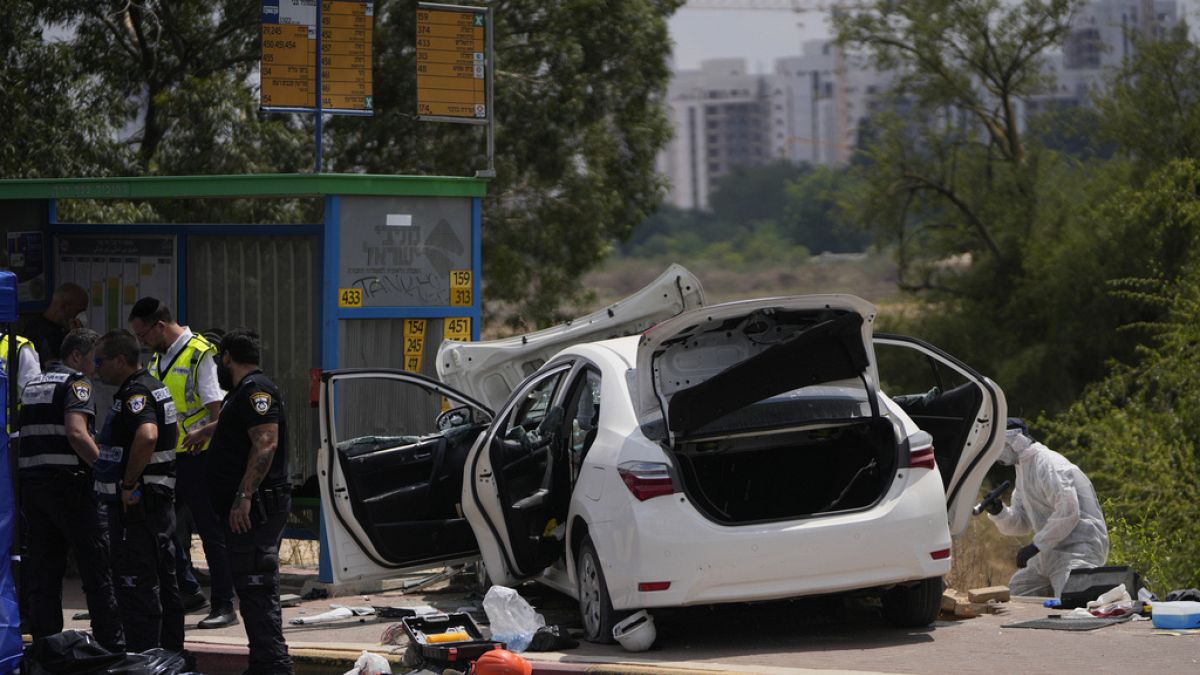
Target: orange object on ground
point(453, 636)
point(502, 662)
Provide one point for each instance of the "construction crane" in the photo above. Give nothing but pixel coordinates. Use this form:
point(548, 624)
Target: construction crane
point(842, 125)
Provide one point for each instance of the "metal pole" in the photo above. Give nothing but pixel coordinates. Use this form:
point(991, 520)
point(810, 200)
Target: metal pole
point(13, 369)
point(489, 102)
point(319, 116)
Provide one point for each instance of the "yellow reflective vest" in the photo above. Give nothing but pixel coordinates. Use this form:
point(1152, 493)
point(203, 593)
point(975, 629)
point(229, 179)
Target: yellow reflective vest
point(22, 343)
point(182, 379)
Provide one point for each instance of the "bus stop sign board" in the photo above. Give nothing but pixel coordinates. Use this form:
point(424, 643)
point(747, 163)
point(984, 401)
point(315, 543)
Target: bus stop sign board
point(452, 63)
point(289, 55)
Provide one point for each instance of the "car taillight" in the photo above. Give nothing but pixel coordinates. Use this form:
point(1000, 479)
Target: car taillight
point(646, 480)
point(922, 458)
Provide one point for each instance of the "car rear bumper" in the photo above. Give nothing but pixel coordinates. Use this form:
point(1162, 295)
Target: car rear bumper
point(710, 563)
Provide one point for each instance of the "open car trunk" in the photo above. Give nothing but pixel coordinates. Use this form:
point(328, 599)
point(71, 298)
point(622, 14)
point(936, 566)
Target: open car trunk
point(789, 474)
point(770, 407)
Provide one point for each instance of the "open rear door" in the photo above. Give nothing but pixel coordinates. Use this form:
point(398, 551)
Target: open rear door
point(964, 411)
point(393, 447)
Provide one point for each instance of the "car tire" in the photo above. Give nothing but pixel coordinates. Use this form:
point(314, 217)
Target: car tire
point(595, 605)
point(913, 606)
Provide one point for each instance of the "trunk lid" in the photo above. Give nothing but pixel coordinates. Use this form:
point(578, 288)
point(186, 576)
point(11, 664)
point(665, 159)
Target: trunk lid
point(490, 370)
point(706, 363)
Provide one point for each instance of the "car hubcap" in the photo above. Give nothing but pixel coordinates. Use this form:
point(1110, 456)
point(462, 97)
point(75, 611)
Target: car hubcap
point(589, 595)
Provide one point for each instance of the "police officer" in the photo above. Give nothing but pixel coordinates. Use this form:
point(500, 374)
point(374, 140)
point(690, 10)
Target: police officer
point(185, 363)
point(136, 474)
point(60, 510)
point(28, 362)
point(248, 482)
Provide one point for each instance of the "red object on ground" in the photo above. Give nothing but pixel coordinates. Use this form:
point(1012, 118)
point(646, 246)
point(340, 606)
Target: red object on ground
point(501, 662)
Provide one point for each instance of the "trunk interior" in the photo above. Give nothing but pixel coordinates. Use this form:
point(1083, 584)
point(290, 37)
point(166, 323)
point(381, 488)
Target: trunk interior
point(789, 474)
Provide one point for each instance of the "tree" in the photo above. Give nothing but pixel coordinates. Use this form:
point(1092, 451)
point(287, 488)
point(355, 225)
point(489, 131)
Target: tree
point(752, 193)
point(1136, 431)
point(965, 165)
point(144, 51)
point(56, 122)
point(1151, 109)
point(814, 216)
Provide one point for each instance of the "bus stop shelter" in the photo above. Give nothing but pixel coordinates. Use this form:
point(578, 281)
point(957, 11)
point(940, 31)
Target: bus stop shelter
point(390, 269)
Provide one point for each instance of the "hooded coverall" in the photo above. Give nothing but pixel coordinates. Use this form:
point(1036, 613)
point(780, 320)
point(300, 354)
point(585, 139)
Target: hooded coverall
point(1056, 501)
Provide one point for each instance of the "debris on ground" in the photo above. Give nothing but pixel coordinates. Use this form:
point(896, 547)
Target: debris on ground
point(370, 664)
point(997, 593)
point(335, 613)
point(974, 602)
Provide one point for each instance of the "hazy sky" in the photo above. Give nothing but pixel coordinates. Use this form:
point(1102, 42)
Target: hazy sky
point(761, 36)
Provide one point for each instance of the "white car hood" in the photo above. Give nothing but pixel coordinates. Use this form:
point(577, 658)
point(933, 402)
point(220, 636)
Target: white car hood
point(708, 362)
point(489, 371)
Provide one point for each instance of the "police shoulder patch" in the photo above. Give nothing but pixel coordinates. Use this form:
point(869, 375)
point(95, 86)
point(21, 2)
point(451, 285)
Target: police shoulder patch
point(136, 403)
point(261, 401)
point(83, 390)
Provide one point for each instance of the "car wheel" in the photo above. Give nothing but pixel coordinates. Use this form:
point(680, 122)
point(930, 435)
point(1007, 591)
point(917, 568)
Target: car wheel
point(595, 606)
point(913, 606)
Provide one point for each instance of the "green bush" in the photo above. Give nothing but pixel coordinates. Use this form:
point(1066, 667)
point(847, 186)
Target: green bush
point(1137, 436)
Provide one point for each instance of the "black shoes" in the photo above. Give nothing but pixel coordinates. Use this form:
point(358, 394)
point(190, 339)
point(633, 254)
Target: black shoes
point(193, 602)
point(219, 618)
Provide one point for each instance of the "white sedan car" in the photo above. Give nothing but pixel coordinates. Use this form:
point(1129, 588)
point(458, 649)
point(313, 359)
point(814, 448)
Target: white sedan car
point(730, 453)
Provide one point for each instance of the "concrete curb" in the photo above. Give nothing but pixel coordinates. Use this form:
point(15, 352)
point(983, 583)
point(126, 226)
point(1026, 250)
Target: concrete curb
point(222, 657)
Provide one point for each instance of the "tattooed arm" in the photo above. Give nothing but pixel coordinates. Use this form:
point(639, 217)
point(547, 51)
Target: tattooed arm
point(264, 439)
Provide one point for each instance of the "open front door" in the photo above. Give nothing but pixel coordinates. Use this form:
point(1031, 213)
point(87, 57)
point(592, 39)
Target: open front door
point(393, 447)
point(964, 412)
point(521, 482)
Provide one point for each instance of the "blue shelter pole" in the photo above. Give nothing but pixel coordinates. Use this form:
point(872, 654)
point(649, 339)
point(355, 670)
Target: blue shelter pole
point(10, 613)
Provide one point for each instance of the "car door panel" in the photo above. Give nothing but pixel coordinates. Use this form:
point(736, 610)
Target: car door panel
point(391, 478)
point(963, 411)
point(514, 488)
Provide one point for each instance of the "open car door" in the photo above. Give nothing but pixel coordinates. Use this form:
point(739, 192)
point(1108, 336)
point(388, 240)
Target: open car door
point(390, 464)
point(518, 492)
point(964, 411)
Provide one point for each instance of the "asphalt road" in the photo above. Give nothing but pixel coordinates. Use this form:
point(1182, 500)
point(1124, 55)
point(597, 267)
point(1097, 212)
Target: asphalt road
point(839, 634)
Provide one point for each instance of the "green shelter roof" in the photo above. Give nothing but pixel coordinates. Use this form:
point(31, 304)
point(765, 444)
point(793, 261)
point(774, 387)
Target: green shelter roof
point(250, 185)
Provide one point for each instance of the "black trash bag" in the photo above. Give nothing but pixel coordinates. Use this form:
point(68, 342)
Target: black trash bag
point(1183, 594)
point(68, 653)
point(75, 652)
point(552, 639)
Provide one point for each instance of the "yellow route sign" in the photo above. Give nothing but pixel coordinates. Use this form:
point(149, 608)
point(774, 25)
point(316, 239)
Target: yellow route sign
point(414, 343)
point(290, 30)
point(457, 328)
point(452, 63)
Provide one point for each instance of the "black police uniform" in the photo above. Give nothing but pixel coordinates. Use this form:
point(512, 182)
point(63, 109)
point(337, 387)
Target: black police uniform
point(143, 551)
point(60, 510)
point(254, 555)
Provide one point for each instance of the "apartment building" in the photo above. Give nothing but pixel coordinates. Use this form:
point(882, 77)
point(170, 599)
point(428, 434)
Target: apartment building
point(810, 107)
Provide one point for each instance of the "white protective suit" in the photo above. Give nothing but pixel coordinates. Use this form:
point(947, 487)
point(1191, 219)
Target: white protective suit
point(1056, 501)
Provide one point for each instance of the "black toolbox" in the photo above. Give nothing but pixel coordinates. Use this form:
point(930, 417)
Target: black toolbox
point(1088, 583)
point(424, 631)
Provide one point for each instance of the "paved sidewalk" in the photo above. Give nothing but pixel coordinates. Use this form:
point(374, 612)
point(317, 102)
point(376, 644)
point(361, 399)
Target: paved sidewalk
point(333, 647)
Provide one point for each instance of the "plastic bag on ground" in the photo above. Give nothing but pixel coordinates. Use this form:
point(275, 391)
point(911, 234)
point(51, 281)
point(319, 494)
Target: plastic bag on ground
point(370, 664)
point(513, 620)
point(335, 613)
point(75, 651)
